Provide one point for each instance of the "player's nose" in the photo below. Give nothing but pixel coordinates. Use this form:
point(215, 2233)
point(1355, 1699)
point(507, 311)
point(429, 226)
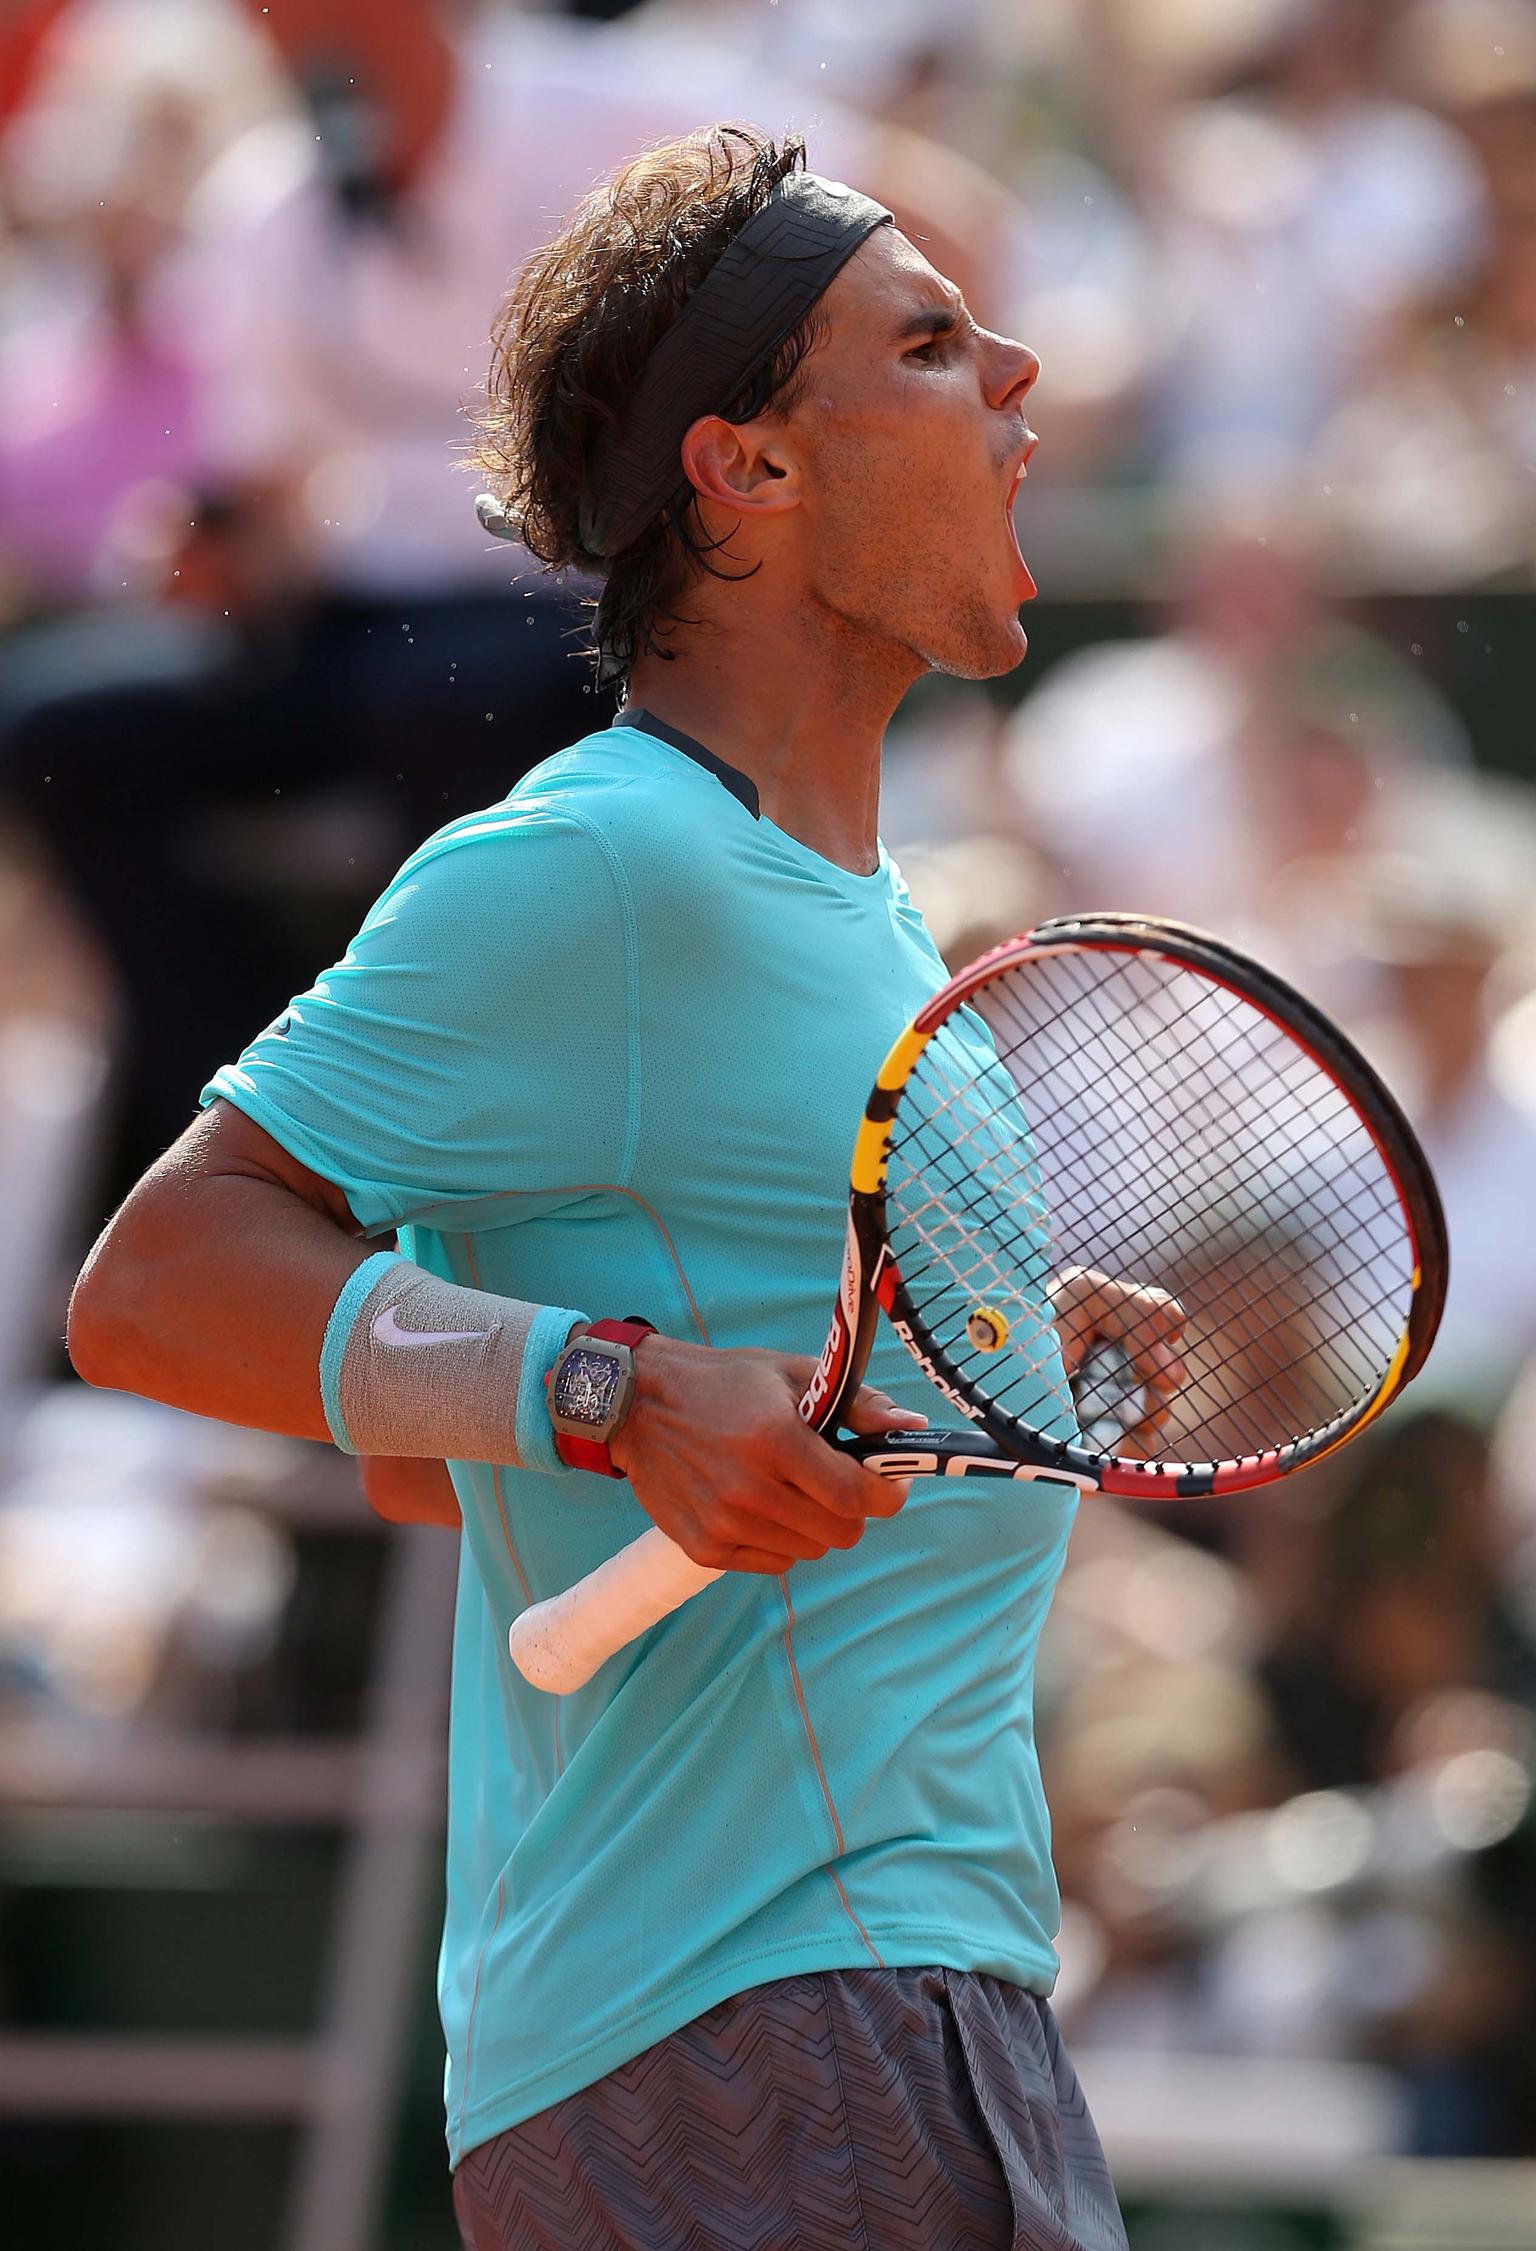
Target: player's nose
point(1012, 369)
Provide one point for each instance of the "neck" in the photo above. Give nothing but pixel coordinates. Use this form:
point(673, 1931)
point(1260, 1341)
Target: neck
point(801, 711)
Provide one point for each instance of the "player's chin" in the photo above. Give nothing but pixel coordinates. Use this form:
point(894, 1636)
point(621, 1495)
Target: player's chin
point(984, 644)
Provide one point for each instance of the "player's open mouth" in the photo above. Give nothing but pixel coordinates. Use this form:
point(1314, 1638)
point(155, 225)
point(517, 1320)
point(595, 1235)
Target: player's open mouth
point(1009, 502)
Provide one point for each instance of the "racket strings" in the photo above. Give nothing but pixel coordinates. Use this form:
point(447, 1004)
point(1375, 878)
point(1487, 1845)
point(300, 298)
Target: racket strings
point(1363, 1163)
point(1265, 1280)
point(1131, 1192)
point(1037, 1356)
point(1333, 1216)
point(1272, 1365)
point(972, 1246)
point(1240, 1210)
point(1278, 1126)
point(994, 1263)
point(962, 1142)
point(1183, 1140)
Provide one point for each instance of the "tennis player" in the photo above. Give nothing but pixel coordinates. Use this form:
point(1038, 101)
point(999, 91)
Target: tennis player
point(749, 1942)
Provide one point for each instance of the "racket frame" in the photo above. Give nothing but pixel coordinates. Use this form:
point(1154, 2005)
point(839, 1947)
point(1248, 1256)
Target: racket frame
point(872, 1281)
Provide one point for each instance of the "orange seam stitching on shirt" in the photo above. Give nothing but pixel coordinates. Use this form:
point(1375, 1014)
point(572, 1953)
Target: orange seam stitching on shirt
point(592, 1188)
point(821, 1772)
point(652, 1213)
point(501, 1511)
point(474, 2002)
point(810, 1732)
point(876, 1956)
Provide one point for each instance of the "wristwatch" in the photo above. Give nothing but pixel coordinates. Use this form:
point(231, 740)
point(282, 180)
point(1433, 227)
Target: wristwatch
point(590, 1388)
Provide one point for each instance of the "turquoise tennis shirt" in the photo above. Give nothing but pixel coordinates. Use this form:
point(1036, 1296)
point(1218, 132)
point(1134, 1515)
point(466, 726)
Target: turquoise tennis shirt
point(606, 1045)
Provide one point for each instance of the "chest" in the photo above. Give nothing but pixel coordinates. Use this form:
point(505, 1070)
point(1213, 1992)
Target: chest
point(757, 1043)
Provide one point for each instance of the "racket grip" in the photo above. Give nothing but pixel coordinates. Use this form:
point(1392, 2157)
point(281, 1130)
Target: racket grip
point(559, 1644)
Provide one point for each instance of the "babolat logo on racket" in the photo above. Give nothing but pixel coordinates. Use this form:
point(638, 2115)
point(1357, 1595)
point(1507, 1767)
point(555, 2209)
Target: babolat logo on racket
point(909, 1338)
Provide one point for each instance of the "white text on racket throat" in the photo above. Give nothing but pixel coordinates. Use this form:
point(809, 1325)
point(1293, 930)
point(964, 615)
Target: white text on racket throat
point(940, 1384)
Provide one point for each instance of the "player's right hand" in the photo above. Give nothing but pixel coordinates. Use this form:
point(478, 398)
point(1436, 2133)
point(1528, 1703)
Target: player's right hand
point(719, 1458)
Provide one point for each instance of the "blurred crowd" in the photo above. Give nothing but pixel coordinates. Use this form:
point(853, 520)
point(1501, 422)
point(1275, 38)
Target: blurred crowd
point(1279, 259)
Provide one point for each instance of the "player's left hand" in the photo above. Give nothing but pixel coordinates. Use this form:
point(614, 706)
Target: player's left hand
point(1091, 1307)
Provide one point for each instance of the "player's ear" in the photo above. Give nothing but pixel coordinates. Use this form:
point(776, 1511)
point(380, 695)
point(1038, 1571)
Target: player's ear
point(744, 466)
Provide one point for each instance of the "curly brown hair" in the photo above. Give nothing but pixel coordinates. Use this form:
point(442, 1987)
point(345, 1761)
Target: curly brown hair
point(568, 347)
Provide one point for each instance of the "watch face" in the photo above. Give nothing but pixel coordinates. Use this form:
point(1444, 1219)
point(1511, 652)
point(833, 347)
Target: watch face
point(586, 1387)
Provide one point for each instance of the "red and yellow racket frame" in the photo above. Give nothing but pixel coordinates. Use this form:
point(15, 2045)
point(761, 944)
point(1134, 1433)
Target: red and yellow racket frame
point(871, 1279)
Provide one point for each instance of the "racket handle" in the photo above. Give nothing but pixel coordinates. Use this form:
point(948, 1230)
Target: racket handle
point(558, 1645)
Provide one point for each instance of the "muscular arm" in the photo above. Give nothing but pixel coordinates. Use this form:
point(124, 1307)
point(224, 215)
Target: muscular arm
point(211, 1290)
point(213, 1286)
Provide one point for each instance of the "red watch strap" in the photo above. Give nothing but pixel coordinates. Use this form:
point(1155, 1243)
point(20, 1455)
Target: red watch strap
point(586, 1453)
point(592, 1453)
point(628, 1331)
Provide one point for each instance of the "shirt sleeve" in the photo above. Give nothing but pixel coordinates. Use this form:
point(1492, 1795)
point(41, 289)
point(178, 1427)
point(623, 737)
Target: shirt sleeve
point(476, 1038)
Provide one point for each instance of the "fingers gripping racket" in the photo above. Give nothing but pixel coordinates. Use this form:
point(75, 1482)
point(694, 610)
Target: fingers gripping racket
point(1107, 1100)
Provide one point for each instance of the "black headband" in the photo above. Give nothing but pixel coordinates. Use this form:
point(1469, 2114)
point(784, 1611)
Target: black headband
point(757, 292)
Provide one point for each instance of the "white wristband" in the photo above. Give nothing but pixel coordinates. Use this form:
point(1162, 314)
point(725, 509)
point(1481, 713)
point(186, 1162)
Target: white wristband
point(413, 1365)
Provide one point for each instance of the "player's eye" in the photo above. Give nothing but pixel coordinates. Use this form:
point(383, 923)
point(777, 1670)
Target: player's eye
point(932, 348)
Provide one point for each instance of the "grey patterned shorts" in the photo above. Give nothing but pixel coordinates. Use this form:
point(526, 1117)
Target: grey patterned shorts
point(855, 2110)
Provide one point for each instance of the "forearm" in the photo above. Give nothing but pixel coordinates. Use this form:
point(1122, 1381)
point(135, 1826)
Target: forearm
point(410, 1492)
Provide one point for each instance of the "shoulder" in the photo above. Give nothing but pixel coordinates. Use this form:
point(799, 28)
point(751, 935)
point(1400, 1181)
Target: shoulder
point(652, 810)
point(612, 819)
point(545, 815)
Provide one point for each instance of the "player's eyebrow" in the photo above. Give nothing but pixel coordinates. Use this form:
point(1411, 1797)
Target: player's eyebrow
point(932, 320)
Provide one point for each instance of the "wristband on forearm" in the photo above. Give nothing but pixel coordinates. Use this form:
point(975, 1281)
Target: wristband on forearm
point(412, 1365)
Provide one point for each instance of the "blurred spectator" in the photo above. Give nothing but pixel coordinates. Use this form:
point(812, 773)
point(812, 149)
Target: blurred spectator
point(1295, 210)
point(1328, 1854)
point(1187, 773)
point(1440, 933)
point(117, 112)
point(1407, 1606)
point(1414, 1653)
point(1474, 62)
point(1427, 470)
point(96, 398)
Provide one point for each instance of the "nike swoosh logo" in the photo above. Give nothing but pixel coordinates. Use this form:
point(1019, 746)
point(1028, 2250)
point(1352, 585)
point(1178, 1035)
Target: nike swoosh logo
point(388, 1331)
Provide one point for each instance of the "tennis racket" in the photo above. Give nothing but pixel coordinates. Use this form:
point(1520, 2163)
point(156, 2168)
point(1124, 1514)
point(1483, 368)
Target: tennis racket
point(1108, 1095)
